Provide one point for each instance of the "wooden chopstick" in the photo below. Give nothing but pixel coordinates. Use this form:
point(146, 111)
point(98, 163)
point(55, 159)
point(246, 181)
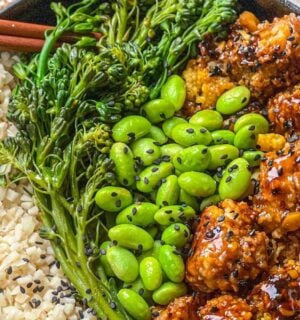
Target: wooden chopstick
point(29, 37)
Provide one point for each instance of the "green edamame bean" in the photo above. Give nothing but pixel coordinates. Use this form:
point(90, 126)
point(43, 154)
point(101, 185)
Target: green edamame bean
point(131, 237)
point(146, 150)
point(222, 137)
point(123, 263)
point(174, 90)
point(168, 292)
point(171, 263)
point(236, 179)
point(209, 201)
point(113, 199)
point(153, 231)
point(140, 214)
point(246, 137)
point(130, 129)
point(152, 176)
point(221, 155)
point(169, 124)
point(122, 157)
point(170, 214)
point(195, 158)
point(168, 192)
point(256, 119)
point(158, 110)
point(185, 198)
point(187, 134)
point(157, 135)
point(233, 100)
point(176, 234)
point(134, 304)
point(209, 119)
point(253, 157)
point(138, 287)
point(170, 150)
point(151, 273)
point(103, 258)
point(197, 184)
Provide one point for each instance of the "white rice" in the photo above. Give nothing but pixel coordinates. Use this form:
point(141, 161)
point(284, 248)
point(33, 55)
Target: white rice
point(31, 284)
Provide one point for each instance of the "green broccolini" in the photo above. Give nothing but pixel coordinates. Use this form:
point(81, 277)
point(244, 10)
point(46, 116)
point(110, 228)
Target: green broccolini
point(63, 106)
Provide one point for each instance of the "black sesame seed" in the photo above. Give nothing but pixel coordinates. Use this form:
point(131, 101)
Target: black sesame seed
point(37, 281)
point(168, 211)
point(88, 291)
point(150, 151)
point(156, 143)
point(22, 290)
point(39, 242)
point(165, 203)
point(29, 285)
point(229, 234)
point(154, 169)
point(113, 305)
point(125, 150)
point(113, 194)
point(179, 160)
point(141, 291)
point(25, 259)
point(214, 309)
point(115, 242)
point(172, 219)
point(125, 181)
point(166, 158)
point(134, 210)
point(224, 156)
point(253, 136)
point(185, 233)
point(235, 273)
point(118, 203)
point(146, 180)
point(54, 299)
point(155, 314)
point(79, 208)
point(129, 218)
point(35, 290)
point(176, 227)
point(235, 216)
point(190, 130)
point(140, 247)
point(203, 130)
point(228, 179)
point(221, 219)
point(9, 270)
point(205, 150)
point(280, 171)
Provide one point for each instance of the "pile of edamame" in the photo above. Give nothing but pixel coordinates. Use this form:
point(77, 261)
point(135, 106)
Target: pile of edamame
point(168, 169)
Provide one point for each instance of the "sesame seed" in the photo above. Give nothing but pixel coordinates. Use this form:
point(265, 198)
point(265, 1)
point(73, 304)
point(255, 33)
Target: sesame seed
point(9, 270)
point(190, 130)
point(280, 171)
point(203, 130)
point(155, 314)
point(118, 203)
point(168, 211)
point(179, 160)
point(224, 156)
point(221, 219)
point(113, 305)
point(37, 281)
point(150, 151)
point(79, 208)
point(25, 259)
point(16, 278)
point(39, 242)
point(165, 203)
point(141, 291)
point(129, 218)
point(146, 180)
point(88, 291)
point(252, 232)
point(176, 227)
point(113, 194)
point(125, 150)
point(22, 290)
point(204, 151)
point(134, 210)
point(228, 179)
point(154, 169)
point(29, 285)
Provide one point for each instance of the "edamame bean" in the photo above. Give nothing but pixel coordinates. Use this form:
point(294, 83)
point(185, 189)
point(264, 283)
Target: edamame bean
point(146, 151)
point(170, 214)
point(256, 119)
point(209, 119)
point(130, 129)
point(140, 214)
point(246, 137)
point(185, 198)
point(113, 199)
point(134, 304)
point(103, 258)
point(221, 155)
point(168, 192)
point(188, 134)
point(158, 110)
point(222, 137)
point(174, 90)
point(169, 124)
point(176, 234)
point(152, 176)
point(131, 237)
point(123, 263)
point(236, 179)
point(197, 184)
point(122, 157)
point(195, 158)
point(233, 100)
point(151, 273)
point(209, 201)
point(138, 287)
point(253, 157)
point(157, 135)
point(168, 292)
point(172, 263)
point(170, 150)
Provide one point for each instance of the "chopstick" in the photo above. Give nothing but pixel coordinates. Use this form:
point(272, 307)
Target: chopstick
point(29, 37)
